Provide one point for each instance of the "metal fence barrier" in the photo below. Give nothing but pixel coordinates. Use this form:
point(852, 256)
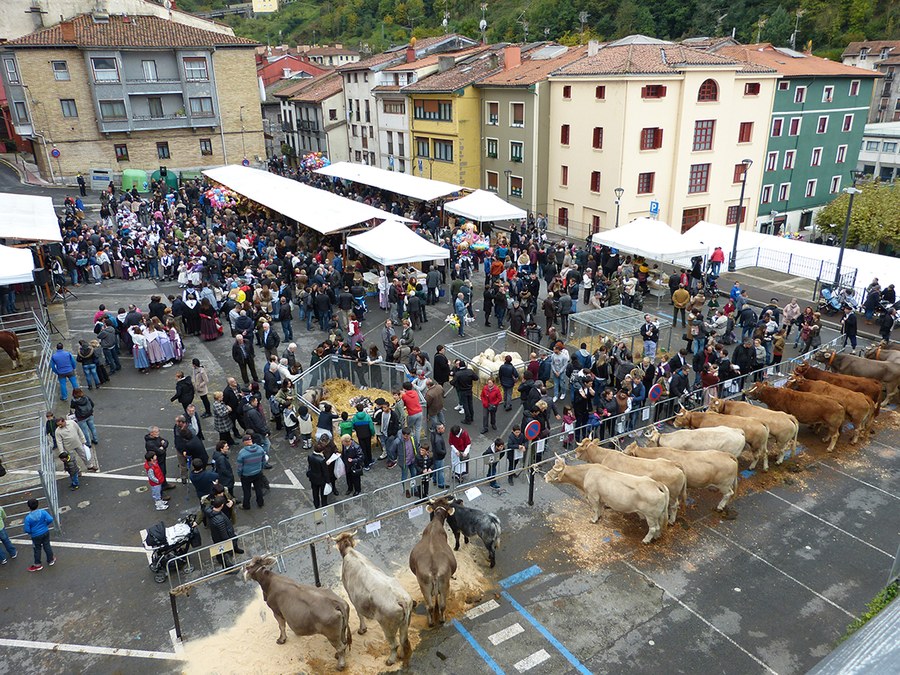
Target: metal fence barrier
point(381, 375)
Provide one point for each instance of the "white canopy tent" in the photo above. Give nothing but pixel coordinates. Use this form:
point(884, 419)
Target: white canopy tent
point(16, 266)
point(482, 206)
point(408, 185)
point(317, 209)
point(651, 239)
point(28, 218)
point(393, 243)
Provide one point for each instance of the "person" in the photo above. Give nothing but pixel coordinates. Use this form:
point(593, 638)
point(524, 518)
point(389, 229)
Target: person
point(516, 445)
point(564, 309)
point(201, 386)
point(154, 442)
point(493, 453)
point(222, 464)
point(650, 335)
point(849, 326)
point(352, 456)
point(82, 185)
point(156, 479)
point(325, 423)
point(459, 308)
point(317, 473)
point(37, 525)
point(4, 539)
point(304, 427)
point(405, 449)
point(70, 437)
point(508, 377)
point(491, 397)
point(221, 528)
point(790, 314)
point(184, 390)
point(222, 421)
point(63, 363)
point(83, 408)
point(256, 423)
point(559, 361)
point(202, 478)
point(88, 360)
point(441, 366)
point(250, 462)
point(460, 444)
point(270, 340)
point(439, 454)
point(715, 260)
point(424, 468)
point(364, 428)
point(886, 324)
point(242, 353)
point(70, 466)
point(414, 413)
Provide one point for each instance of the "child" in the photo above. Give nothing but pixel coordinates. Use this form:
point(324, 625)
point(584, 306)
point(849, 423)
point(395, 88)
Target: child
point(50, 427)
point(305, 427)
point(156, 479)
point(345, 425)
point(70, 466)
point(568, 427)
point(37, 526)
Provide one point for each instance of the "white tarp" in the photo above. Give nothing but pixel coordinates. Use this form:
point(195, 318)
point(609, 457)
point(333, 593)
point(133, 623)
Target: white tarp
point(393, 243)
point(416, 187)
point(28, 218)
point(319, 210)
point(651, 239)
point(16, 266)
point(482, 206)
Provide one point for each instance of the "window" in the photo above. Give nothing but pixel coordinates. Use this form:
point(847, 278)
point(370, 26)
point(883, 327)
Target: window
point(800, 95)
point(863, 53)
point(68, 107)
point(794, 126)
point(162, 150)
point(121, 152)
point(745, 134)
point(332, 114)
point(358, 155)
point(492, 181)
point(653, 91)
point(841, 155)
point(422, 146)
point(772, 161)
point(777, 124)
point(766, 195)
point(595, 181)
point(517, 114)
point(645, 183)
point(698, 180)
point(784, 85)
point(854, 88)
point(709, 91)
point(651, 138)
point(567, 91)
point(395, 107)
point(847, 124)
point(690, 217)
point(789, 157)
point(105, 69)
point(731, 216)
point(156, 106)
point(493, 113)
point(195, 68)
point(562, 216)
point(889, 147)
point(368, 113)
point(12, 73)
point(201, 107)
point(600, 92)
point(822, 125)
point(597, 142)
point(443, 150)
point(827, 94)
point(564, 175)
point(872, 146)
point(564, 134)
point(401, 145)
point(703, 134)
point(354, 131)
point(885, 51)
point(112, 110)
point(816, 157)
point(811, 188)
point(751, 89)
point(835, 186)
point(60, 70)
point(21, 112)
point(738, 173)
point(595, 224)
point(149, 70)
point(430, 109)
point(784, 191)
point(516, 186)
point(205, 146)
point(516, 149)
point(491, 146)
point(390, 142)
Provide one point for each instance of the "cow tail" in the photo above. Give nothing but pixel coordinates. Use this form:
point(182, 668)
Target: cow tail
point(404, 631)
point(497, 529)
point(684, 496)
point(664, 516)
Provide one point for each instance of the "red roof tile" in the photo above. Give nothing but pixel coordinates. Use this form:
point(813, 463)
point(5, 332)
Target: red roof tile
point(643, 59)
point(792, 64)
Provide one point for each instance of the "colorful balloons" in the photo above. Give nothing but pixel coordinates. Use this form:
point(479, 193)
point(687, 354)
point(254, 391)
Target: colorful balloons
point(314, 160)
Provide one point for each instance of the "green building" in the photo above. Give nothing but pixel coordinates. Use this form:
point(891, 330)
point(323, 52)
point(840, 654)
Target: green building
point(815, 133)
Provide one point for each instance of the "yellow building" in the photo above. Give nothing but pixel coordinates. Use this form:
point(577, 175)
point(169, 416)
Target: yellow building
point(265, 6)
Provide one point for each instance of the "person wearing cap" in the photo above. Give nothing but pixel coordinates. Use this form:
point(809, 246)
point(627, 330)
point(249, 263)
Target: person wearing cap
point(848, 325)
point(352, 456)
point(250, 462)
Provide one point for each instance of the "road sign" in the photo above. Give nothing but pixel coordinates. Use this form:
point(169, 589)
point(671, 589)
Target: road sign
point(55, 152)
point(245, 162)
point(654, 208)
point(532, 430)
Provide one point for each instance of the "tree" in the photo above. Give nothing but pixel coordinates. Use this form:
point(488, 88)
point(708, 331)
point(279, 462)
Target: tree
point(875, 218)
point(634, 19)
point(778, 28)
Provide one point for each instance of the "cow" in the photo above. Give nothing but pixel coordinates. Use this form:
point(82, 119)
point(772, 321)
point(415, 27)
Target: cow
point(621, 492)
point(860, 410)
point(724, 439)
point(783, 428)
point(864, 385)
point(9, 342)
point(433, 562)
point(886, 373)
point(471, 522)
point(756, 434)
point(663, 471)
point(702, 468)
point(376, 595)
point(881, 353)
point(812, 409)
point(306, 609)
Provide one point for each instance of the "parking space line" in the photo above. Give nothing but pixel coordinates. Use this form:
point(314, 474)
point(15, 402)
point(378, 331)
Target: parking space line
point(520, 577)
point(822, 520)
point(92, 547)
point(779, 570)
point(858, 480)
point(530, 662)
point(483, 608)
point(478, 648)
point(694, 612)
point(506, 634)
point(101, 474)
point(90, 649)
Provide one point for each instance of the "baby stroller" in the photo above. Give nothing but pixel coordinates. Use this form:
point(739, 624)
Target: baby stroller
point(359, 307)
point(167, 543)
point(830, 302)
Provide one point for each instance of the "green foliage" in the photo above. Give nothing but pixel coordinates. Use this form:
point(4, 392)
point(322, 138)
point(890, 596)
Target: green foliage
point(878, 603)
point(778, 28)
point(875, 218)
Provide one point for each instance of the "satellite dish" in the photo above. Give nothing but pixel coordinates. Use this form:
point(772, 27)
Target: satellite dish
point(482, 25)
point(444, 23)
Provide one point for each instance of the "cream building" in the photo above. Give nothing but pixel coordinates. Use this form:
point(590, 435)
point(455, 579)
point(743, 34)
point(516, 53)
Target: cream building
point(667, 124)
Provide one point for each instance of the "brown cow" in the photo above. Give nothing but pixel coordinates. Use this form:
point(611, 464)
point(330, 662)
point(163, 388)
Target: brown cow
point(886, 373)
point(756, 434)
point(783, 428)
point(433, 562)
point(812, 409)
point(860, 410)
point(864, 385)
point(9, 342)
point(306, 609)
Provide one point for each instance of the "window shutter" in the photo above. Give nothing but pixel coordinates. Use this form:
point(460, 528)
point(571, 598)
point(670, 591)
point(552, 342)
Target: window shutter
point(659, 133)
point(644, 92)
point(662, 91)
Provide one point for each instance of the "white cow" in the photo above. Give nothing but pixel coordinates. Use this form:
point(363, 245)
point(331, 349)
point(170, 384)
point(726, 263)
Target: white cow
point(724, 439)
point(376, 595)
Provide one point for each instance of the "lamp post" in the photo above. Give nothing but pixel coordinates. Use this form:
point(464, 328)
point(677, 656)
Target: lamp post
point(852, 191)
point(619, 192)
point(732, 261)
point(507, 173)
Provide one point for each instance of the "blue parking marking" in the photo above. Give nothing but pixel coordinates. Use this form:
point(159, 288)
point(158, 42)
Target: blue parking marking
point(478, 648)
point(746, 473)
point(520, 577)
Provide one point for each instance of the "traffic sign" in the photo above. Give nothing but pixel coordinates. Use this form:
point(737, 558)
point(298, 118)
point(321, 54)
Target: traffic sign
point(532, 430)
point(245, 162)
point(654, 208)
point(55, 152)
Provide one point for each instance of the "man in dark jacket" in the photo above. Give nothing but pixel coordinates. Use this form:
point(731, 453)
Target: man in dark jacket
point(184, 390)
point(270, 340)
point(221, 529)
point(439, 455)
point(849, 326)
point(193, 447)
point(232, 398)
point(154, 442)
point(202, 478)
point(565, 309)
point(441, 366)
point(256, 423)
point(222, 464)
point(463, 379)
point(508, 376)
point(242, 353)
point(387, 425)
point(517, 319)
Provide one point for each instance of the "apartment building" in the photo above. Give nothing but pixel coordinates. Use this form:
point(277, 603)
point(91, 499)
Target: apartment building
point(879, 154)
point(313, 117)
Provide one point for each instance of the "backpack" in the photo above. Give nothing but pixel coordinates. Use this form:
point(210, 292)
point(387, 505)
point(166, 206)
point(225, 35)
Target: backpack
point(274, 406)
point(544, 370)
point(84, 408)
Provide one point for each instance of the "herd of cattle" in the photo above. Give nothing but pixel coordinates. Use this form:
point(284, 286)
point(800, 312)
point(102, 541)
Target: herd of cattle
point(650, 481)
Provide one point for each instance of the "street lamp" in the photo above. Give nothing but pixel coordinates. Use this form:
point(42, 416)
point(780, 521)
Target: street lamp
point(619, 192)
point(852, 191)
point(732, 262)
point(507, 173)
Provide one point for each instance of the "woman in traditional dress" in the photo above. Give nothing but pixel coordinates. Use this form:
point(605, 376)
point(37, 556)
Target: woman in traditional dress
point(164, 342)
point(191, 315)
point(154, 349)
point(208, 328)
point(383, 287)
point(175, 340)
point(139, 348)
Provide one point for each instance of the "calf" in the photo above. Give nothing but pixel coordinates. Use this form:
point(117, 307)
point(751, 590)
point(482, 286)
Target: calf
point(783, 428)
point(756, 433)
point(886, 373)
point(306, 609)
point(433, 562)
point(470, 522)
point(864, 385)
point(860, 409)
point(724, 439)
point(812, 409)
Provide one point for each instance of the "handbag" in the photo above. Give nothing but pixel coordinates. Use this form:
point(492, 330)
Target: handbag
point(87, 452)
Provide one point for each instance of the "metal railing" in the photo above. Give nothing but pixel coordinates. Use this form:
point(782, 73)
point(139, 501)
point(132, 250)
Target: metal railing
point(387, 376)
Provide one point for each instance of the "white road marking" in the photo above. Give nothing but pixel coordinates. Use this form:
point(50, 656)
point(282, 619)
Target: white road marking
point(176, 643)
point(483, 608)
point(874, 487)
point(530, 662)
point(166, 391)
point(119, 426)
point(294, 480)
point(89, 649)
point(92, 547)
point(506, 634)
point(101, 474)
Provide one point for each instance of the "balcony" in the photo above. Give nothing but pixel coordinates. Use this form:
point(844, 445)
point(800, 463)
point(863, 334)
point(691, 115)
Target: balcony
point(155, 86)
point(148, 123)
point(307, 125)
point(285, 126)
point(517, 159)
point(492, 155)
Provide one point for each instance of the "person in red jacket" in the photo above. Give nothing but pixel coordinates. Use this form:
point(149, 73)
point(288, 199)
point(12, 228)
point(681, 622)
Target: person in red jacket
point(460, 445)
point(156, 478)
point(491, 398)
point(413, 404)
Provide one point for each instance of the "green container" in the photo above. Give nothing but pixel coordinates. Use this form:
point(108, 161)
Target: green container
point(171, 178)
point(132, 178)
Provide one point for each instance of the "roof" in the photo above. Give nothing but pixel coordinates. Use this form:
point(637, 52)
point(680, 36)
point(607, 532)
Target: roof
point(424, 46)
point(371, 61)
point(318, 89)
point(429, 60)
point(533, 68)
point(468, 71)
point(645, 59)
point(883, 129)
point(789, 63)
point(873, 45)
point(129, 32)
point(330, 51)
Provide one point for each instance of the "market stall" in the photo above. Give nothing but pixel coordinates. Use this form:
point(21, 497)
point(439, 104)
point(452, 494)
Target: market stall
point(393, 243)
point(650, 239)
point(408, 185)
point(482, 206)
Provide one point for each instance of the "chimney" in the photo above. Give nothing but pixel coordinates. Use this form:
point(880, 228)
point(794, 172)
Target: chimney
point(593, 47)
point(445, 63)
point(410, 54)
point(68, 31)
point(512, 56)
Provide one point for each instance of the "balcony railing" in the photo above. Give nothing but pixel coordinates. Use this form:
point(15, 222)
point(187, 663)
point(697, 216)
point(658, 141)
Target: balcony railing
point(173, 116)
point(516, 159)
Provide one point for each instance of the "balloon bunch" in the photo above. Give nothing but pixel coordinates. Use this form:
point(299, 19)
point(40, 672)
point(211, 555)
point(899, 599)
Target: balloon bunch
point(221, 197)
point(314, 160)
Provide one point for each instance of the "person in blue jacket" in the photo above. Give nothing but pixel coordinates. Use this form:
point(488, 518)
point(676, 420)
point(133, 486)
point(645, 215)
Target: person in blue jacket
point(63, 364)
point(37, 526)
